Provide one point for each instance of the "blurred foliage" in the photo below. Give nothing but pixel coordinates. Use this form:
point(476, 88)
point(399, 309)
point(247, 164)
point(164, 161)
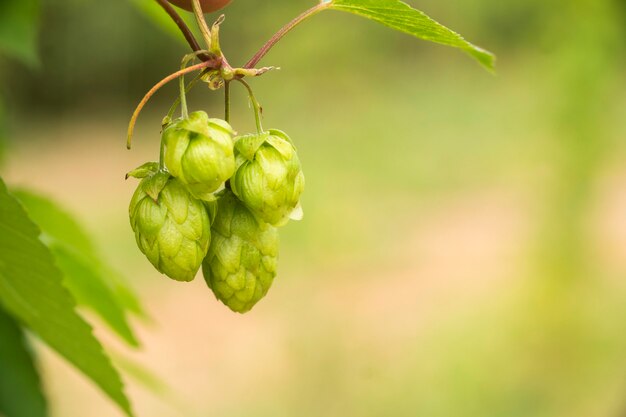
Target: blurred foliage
point(19, 30)
point(18, 40)
point(86, 275)
point(20, 395)
point(31, 290)
point(3, 131)
point(86, 61)
point(385, 124)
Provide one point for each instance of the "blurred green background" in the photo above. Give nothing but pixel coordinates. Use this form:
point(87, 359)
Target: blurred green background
point(463, 251)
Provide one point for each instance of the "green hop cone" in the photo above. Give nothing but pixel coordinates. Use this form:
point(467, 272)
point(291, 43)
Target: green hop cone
point(172, 228)
point(199, 152)
point(241, 263)
point(269, 178)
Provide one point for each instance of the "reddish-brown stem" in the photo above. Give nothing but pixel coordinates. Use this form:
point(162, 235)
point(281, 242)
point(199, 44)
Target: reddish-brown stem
point(149, 94)
point(193, 43)
point(187, 33)
point(283, 31)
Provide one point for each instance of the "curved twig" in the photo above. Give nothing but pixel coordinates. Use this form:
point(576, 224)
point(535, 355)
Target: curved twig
point(283, 31)
point(149, 94)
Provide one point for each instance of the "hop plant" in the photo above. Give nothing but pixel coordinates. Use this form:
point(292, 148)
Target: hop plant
point(199, 152)
point(171, 227)
point(269, 178)
point(241, 263)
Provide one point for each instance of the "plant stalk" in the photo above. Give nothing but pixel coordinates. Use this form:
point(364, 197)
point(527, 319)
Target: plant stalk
point(162, 156)
point(149, 94)
point(227, 101)
point(284, 30)
point(182, 26)
point(204, 28)
point(255, 105)
point(183, 96)
point(190, 85)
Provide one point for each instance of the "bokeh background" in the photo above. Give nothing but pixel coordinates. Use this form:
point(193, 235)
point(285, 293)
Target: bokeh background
point(463, 251)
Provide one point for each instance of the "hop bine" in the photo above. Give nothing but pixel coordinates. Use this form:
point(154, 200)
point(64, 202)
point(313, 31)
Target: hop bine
point(269, 178)
point(199, 153)
point(172, 228)
point(241, 263)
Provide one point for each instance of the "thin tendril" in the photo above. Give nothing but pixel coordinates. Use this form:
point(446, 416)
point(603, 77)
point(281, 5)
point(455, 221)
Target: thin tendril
point(149, 94)
point(255, 105)
point(190, 85)
point(183, 97)
point(227, 101)
point(162, 155)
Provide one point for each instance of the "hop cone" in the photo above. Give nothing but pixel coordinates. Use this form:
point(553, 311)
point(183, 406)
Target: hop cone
point(199, 152)
point(269, 179)
point(241, 263)
point(171, 227)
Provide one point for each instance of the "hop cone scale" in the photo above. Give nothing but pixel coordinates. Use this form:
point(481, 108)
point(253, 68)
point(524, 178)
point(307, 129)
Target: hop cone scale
point(269, 178)
point(199, 152)
point(171, 227)
point(241, 263)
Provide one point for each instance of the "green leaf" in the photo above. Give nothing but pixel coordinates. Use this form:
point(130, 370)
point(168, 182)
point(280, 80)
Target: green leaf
point(88, 287)
point(20, 387)
point(400, 16)
point(55, 222)
point(18, 29)
point(31, 290)
point(90, 281)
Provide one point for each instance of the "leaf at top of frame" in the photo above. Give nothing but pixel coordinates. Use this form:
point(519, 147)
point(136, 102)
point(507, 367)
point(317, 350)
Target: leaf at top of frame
point(400, 16)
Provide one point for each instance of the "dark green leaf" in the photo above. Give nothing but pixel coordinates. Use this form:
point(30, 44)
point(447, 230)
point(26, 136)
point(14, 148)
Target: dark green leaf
point(31, 290)
point(20, 387)
point(91, 282)
point(400, 16)
point(18, 29)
